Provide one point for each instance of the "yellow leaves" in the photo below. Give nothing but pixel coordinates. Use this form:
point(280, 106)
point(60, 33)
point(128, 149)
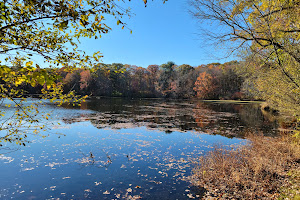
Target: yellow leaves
point(29, 63)
point(4, 70)
point(19, 81)
point(238, 9)
point(50, 39)
point(296, 135)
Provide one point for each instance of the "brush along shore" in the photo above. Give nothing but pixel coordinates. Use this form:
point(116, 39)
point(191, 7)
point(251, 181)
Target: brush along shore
point(265, 168)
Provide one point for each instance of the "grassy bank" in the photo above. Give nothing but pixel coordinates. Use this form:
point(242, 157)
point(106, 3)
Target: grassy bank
point(265, 168)
point(232, 101)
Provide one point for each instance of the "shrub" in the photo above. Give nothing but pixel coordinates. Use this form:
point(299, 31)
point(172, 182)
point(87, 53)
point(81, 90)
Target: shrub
point(257, 170)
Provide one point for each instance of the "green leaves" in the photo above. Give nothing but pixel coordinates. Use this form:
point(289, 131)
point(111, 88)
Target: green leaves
point(51, 30)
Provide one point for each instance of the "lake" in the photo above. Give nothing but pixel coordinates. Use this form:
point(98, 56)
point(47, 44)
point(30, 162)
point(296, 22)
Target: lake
point(115, 148)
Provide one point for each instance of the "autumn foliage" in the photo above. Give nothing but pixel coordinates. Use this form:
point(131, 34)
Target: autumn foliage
point(212, 81)
point(204, 86)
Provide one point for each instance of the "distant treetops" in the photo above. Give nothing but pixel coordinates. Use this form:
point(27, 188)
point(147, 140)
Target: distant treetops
point(212, 81)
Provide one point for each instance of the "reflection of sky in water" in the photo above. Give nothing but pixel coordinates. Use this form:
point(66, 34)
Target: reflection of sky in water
point(91, 163)
point(100, 159)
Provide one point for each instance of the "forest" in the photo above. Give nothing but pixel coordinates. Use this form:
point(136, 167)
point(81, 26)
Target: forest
point(211, 81)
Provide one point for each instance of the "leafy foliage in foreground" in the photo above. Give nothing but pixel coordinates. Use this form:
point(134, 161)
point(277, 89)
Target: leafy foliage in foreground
point(33, 32)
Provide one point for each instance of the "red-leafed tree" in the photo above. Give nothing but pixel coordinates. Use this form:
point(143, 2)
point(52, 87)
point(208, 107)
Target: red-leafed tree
point(205, 86)
point(85, 80)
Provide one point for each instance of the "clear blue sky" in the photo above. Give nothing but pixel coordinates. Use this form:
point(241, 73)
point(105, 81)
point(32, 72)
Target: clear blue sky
point(161, 33)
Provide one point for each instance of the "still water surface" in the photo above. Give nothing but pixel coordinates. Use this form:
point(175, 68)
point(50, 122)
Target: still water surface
point(125, 149)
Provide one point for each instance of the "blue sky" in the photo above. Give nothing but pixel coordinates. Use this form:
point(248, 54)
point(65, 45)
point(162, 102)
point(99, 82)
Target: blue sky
point(161, 33)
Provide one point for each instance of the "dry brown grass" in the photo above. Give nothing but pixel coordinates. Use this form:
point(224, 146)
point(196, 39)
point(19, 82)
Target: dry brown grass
point(257, 170)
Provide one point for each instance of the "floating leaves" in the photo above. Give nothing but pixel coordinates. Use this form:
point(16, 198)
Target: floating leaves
point(98, 183)
point(106, 192)
point(108, 163)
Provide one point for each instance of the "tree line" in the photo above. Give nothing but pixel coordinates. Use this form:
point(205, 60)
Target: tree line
point(211, 81)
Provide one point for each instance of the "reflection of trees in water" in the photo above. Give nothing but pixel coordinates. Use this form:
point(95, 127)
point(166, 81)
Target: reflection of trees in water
point(214, 118)
point(203, 116)
point(253, 118)
point(248, 118)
